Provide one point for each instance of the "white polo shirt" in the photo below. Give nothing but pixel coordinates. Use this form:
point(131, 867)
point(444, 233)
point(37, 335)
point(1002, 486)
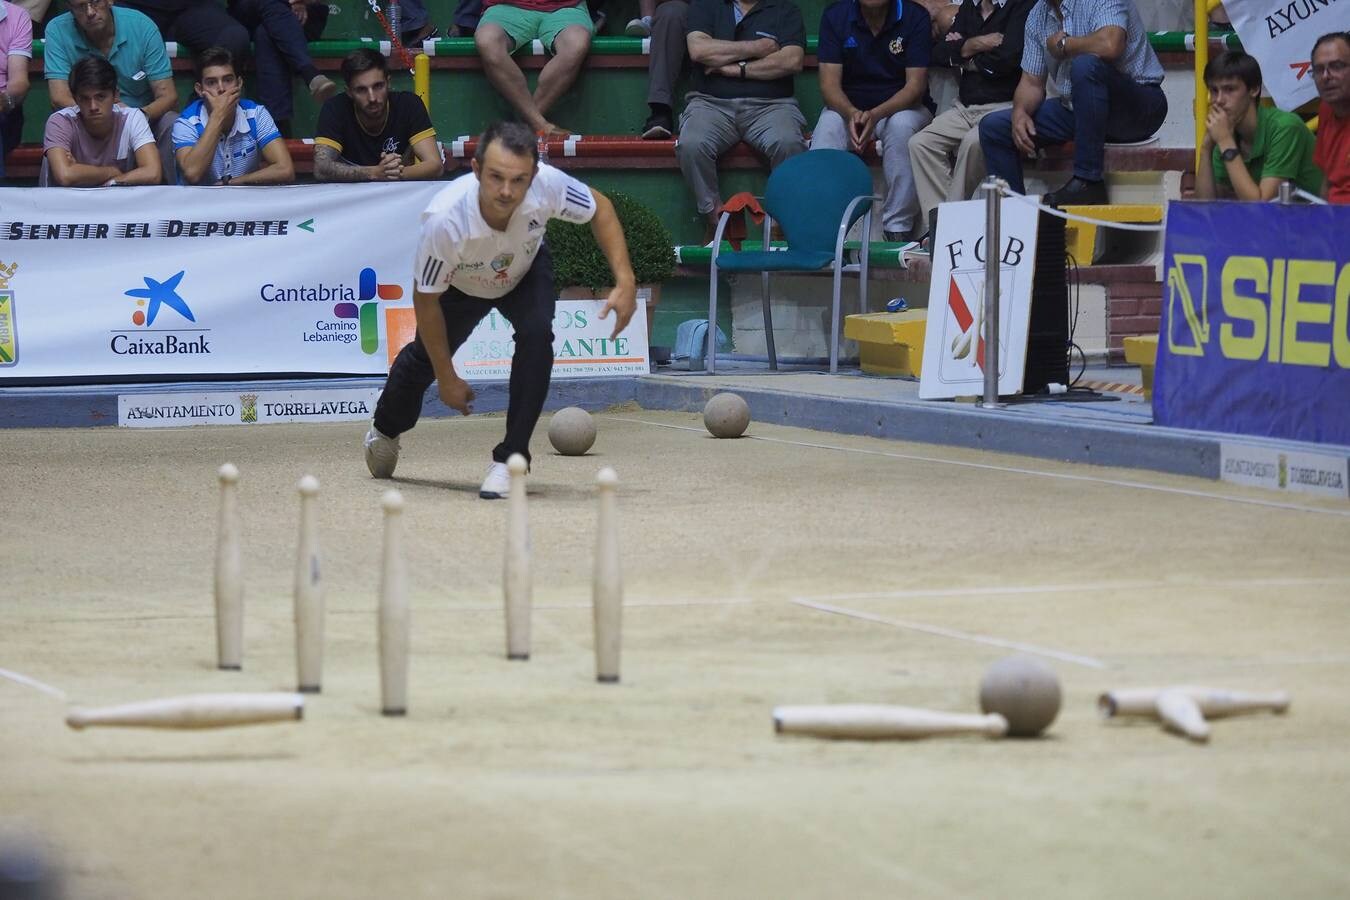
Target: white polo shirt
point(459, 249)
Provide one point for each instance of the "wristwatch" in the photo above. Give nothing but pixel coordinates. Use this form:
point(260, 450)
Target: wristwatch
point(742, 65)
point(1230, 154)
point(225, 179)
point(1063, 42)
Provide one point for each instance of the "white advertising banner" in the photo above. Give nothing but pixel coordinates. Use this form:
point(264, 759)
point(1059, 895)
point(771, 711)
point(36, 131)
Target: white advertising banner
point(1281, 34)
point(170, 409)
point(953, 348)
point(164, 281)
point(1285, 470)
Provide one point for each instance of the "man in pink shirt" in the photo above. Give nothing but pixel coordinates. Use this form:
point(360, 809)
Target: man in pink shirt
point(16, 37)
point(98, 141)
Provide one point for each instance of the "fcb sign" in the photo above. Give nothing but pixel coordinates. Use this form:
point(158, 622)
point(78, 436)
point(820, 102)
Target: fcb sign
point(953, 351)
point(1255, 331)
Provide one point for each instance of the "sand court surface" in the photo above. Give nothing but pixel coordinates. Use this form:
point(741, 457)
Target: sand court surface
point(787, 567)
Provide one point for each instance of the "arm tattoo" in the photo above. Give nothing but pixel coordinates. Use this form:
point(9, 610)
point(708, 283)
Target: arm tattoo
point(329, 166)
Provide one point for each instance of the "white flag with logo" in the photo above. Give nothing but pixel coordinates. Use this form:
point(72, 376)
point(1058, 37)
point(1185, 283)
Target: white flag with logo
point(1281, 34)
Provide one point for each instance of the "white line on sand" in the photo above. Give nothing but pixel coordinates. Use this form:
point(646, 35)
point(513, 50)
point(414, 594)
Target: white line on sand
point(1252, 501)
point(1086, 587)
point(20, 678)
point(1074, 658)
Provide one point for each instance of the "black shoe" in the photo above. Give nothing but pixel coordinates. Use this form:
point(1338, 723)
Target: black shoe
point(1078, 192)
point(895, 237)
point(658, 127)
point(414, 38)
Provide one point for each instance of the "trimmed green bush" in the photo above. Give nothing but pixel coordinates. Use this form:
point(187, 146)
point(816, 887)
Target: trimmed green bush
point(578, 262)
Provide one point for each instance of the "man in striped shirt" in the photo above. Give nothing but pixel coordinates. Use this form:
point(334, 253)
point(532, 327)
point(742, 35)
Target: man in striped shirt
point(482, 248)
point(221, 138)
point(1109, 82)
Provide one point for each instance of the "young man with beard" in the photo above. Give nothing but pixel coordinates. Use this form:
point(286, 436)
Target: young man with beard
point(371, 133)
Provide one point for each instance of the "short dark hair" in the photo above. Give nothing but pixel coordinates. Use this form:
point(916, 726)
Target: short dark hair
point(92, 72)
point(1328, 37)
point(214, 56)
point(516, 137)
point(1234, 64)
point(363, 60)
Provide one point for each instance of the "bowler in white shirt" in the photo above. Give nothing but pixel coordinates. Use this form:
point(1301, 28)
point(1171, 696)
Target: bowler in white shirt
point(482, 248)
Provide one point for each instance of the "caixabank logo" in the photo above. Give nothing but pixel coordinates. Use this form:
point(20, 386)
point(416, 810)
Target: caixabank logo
point(354, 315)
point(160, 303)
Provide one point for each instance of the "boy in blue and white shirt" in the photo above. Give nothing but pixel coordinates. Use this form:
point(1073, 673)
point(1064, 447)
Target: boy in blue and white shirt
point(221, 138)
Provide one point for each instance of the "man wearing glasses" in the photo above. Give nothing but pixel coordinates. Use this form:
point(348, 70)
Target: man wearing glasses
point(133, 45)
point(1331, 72)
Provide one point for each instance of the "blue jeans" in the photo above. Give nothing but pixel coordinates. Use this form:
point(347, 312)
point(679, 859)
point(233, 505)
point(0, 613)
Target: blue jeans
point(1108, 105)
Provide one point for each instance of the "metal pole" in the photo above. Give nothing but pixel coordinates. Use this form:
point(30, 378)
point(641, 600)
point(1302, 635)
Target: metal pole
point(992, 245)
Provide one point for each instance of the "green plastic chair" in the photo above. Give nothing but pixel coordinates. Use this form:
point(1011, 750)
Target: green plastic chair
point(815, 197)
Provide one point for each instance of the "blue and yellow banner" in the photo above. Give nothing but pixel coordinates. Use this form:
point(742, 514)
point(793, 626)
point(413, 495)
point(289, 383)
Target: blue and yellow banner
point(1255, 332)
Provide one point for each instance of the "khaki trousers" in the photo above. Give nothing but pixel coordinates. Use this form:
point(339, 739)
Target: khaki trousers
point(946, 157)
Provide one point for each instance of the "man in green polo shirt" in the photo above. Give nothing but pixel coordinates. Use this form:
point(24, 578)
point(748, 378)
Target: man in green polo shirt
point(131, 42)
point(1250, 149)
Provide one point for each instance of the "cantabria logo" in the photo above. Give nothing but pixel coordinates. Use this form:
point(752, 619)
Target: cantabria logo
point(356, 310)
point(366, 309)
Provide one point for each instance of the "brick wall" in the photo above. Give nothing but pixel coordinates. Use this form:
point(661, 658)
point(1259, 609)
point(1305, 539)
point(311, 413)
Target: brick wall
point(1132, 307)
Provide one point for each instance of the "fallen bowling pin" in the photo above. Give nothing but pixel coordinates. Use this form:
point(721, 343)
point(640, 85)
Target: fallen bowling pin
point(1214, 703)
point(193, 712)
point(1181, 713)
point(862, 721)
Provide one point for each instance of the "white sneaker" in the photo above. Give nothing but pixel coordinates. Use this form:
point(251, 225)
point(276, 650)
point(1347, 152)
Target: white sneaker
point(640, 27)
point(497, 484)
point(381, 453)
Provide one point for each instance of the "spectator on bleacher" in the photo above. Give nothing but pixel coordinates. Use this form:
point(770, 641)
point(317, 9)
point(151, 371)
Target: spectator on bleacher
point(509, 26)
point(984, 45)
point(467, 15)
point(669, 52)
point(744, 55)
point(16, 37)
point(37, 13)
point(1109, 81)
point(1331, 72)
point(221, 138)
point(415, 25)
point(133, 45)
point(97, 141)
point(281, 34)
point(1249, 149)
point(874, 81)
point(371, 133)
point(196, 24)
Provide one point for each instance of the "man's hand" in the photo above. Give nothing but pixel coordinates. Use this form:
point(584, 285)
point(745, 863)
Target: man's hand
point(1052, 44)
point(456, 394)
point(764, 46)
point(1023, 132)
point(861, 125)
point(623, 301)
point(223, 104)
point(1218, 129)
point(981, 43)
point(300, 11)
point(390, 168)
point(954, 36)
